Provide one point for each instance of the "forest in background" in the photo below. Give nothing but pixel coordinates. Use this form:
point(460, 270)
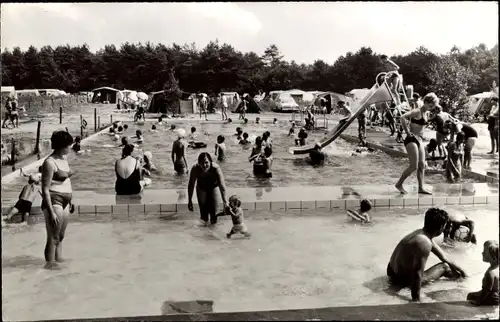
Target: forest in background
point(220, 67)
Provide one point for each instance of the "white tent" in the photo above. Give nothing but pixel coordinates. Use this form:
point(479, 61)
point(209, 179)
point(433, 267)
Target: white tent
point(9, 91)
point(480, 101)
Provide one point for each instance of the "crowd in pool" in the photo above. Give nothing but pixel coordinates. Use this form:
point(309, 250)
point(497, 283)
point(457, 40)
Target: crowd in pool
point(406, 267)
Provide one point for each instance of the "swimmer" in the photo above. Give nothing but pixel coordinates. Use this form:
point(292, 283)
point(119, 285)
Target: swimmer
point(179, 153)
point(112, 131)
point(407, 263)
point(220, 148)
point(275, 121)
point(172, 127)
point(238, 134)
point(148, 161)
point(316, 156)
point(138, 136)
point(245, 121)
point(244, 140)
point(76, 146)
point(488, 295)
point(116, 137)
point(362, 214)
point(125, 127)
point(292, 129)
point(38, 174)
point(456, 221)
point(229, 120)
point(153, 128)
point(268, 161)
point(160, 120)
point(266, 139)
point(257, 120)
point(26, 198)
point(119, 130)
point(124, 142)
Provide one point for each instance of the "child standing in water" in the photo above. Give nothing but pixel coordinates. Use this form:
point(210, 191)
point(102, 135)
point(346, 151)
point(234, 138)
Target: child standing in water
point(26, 198)
point(455, 157)
point(234, 210)
point(488, 295)
point(220, 148)
point(292, 129)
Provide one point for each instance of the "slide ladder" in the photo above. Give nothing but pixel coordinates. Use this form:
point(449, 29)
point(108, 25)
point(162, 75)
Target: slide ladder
point(378, 93)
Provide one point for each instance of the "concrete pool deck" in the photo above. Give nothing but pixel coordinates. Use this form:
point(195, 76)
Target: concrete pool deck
point(154, 202)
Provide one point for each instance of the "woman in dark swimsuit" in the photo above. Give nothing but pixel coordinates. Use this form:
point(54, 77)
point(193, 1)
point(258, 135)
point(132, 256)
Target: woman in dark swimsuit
point(259, 167)
point(56, 196)
point(128, 173)
point(208, 177)
point(413, 142)
point(470, 139)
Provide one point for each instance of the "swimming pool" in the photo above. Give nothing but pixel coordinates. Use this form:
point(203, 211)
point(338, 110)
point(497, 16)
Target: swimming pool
point(95, 170)
point(294, 260)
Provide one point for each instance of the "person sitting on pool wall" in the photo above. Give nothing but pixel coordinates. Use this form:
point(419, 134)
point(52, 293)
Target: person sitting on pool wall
point(56, 196)
point(456, 221)
point(488, 295)
point(128, 172)
point(207, 176)
point(26, 198)
point(407, 263)
point(179, 153)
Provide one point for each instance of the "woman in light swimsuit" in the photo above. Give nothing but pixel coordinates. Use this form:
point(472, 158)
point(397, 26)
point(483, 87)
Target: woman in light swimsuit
point(413, 142)
point(128, 173)
point(208, 177)
point(56, 196)
point(179, 153)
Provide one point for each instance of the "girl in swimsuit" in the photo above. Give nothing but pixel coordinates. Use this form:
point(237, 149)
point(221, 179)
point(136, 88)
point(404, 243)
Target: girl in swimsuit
point(413, 142)
point(128, 173)
point(256, 157)
point(208, 177)
point(56, 196)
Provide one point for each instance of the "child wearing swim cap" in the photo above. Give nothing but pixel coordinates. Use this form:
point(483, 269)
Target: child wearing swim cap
point(488, 295)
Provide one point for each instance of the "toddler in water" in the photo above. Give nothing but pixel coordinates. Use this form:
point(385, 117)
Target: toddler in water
point(76, 146)
point(488, 295)
point(26, 198)
point(362, 214)
point(234, 210)
point(220, 148)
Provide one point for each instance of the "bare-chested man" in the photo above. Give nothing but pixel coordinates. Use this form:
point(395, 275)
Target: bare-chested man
point(179, 153)
point(407, 264)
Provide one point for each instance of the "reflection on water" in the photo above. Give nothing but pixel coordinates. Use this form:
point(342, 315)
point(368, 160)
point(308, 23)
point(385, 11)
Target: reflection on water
point(95, 170)
point(308, 260)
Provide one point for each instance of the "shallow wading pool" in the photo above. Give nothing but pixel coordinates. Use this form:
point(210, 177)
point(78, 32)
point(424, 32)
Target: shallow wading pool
point(294, 260)
point(95, 169)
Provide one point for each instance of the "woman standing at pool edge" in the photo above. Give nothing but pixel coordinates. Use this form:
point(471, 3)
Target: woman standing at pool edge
point(56, 196)
point(207, 176)
point(413, 142)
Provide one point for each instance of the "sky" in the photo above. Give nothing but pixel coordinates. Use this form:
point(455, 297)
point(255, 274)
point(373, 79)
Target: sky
point(304, 32)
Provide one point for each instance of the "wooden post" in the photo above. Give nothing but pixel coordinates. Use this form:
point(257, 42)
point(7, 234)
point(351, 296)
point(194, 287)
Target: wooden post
point(60, 114)
point(99, 122)
point(111, 119)
point(95, 119)
point(13, 154)
point(81, 127)
point(37, 144)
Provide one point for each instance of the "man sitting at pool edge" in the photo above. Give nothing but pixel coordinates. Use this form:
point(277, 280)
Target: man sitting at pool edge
point(407, 263)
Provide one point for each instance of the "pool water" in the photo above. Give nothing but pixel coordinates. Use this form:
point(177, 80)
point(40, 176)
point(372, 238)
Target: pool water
point(294, 260)
point(95, 169)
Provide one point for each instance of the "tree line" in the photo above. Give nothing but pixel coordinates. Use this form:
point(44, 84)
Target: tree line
point(220, 67)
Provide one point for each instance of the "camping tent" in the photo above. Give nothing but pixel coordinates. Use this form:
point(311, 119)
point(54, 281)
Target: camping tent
point(27, 93)
point(479, 103)
point(105, 94)
point(252, 106)
point(157, 103)
point(332, 100)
